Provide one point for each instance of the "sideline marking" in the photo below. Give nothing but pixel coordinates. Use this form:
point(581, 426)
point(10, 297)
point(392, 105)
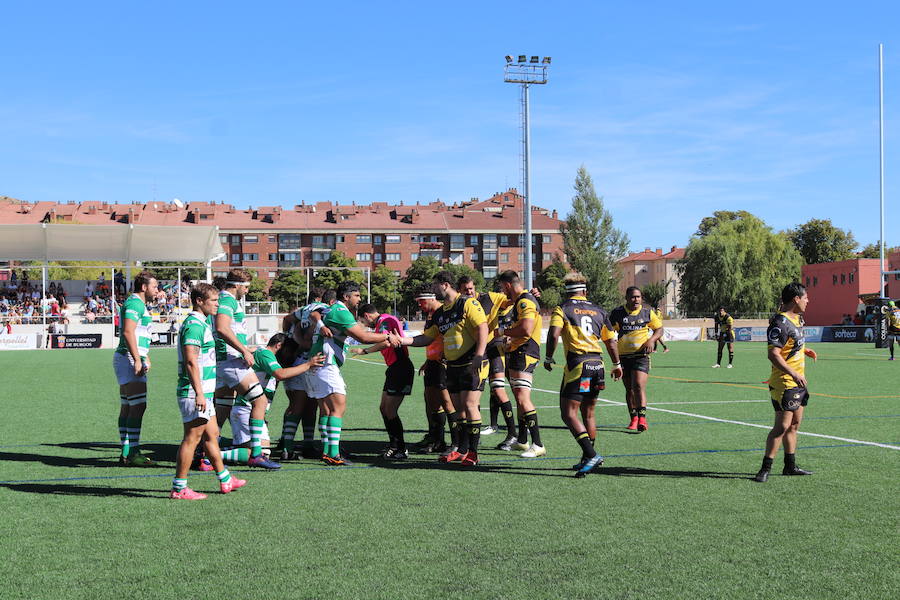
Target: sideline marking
point(757, 387)
point(718, 420)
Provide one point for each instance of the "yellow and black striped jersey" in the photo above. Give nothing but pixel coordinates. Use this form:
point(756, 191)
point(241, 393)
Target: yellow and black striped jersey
point(725, 323)
point(525, 307)
point(585, 326)
point(894, 321)
point(786, 334)
point(492, 303)
point(458, 323)
point(634, 327)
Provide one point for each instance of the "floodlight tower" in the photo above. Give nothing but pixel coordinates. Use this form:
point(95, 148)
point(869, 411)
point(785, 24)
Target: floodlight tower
point(526, 72)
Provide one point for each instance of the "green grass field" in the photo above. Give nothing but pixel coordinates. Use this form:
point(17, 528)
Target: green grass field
point(672, 514)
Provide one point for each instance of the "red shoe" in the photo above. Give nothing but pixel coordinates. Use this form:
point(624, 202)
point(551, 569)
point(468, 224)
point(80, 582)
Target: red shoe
point(633, 425)
point(204, 465)
point(470, 459)
point(232, 484)
point(642, 424)
point(186, 494)
point(452, 457)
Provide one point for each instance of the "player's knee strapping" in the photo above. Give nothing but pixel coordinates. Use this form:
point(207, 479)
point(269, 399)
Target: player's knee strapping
point(496, 384)
point(254, 392)
point(520, 382)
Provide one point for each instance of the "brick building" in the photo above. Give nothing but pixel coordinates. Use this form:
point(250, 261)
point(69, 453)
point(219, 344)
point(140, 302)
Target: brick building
point(483, 234)
point(653, 266)
point(834, 288)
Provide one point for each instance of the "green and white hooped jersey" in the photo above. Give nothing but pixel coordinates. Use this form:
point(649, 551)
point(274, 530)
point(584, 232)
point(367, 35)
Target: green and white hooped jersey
point(339, 319)
point(135, 310)
point(196, 331)
point(264, 365)
point(228, 305)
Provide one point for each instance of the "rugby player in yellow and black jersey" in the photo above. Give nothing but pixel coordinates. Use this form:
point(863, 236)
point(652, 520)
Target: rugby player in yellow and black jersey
point(639, 327)
point(494, 304)
point(725, 335)
point(787, 383)
point(522, 344)
point(585, 328)
point(463, 325)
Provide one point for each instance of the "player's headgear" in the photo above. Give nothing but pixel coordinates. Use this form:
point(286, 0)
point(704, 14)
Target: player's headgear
point(236, 276)
point(575, 282)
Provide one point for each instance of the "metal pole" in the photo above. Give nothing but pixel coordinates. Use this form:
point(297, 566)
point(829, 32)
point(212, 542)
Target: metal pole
point(115, 309)
point(178, 296)
point(526, 134)
point(308, 273)
point(368, 285)
point(881, 158)
point(43, 293)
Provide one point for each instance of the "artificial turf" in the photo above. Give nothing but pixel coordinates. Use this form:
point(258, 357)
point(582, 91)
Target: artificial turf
point(672, 514)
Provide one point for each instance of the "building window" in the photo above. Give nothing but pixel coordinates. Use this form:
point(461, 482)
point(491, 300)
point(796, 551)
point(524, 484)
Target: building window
point(364, 239)
point(490, 255)
point(251, 239)
point(504, 240)
point(504, 257)
point(272, 239)
point(363, 256)
point(807, 281)
point(320, 258)
point(474, 257)
point(339, 238)
point(834, 280)
point(378, 257)
point(473, 240)
point(318, 241)
point(396, 273)
point(489, 272)
point(815, 281)
point(414, 256)
point(392, 239)
point(273, 256)
point(234, 240)
point(235, 258)
point(457, 241)
point(392, 257)
point(273, 274)
point(547, 257)
point(220, 273)
point(289, 240)
point(490, 241)
point(521, 258)
point(852, 277)
point(414, 238)
point(223, 239)
point(546, 238)
point(843, 279)
point(251, 256)
point(378, 240)
point(205, 217)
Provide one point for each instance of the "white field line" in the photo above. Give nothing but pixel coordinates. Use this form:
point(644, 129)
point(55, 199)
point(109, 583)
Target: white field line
point(696, 416)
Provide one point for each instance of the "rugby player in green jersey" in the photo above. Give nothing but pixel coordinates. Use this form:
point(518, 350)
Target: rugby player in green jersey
point(131, 361)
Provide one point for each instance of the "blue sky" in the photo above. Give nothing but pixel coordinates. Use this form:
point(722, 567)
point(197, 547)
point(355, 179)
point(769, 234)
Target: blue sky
point(676, 109)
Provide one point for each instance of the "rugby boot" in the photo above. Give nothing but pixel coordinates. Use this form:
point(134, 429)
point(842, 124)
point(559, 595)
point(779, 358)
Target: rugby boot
point(633, 425)
point(186, 494)
point(795, 470)
point(232, 484)
point(762, 476)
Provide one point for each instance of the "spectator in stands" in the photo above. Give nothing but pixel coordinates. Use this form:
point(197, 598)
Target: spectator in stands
point(859, 319)
point(88, 290)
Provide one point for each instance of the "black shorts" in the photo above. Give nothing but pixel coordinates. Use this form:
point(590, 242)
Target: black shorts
point(460, 379)
point(398, 378)
point(435, 374)
point(524, 358)
point(726, 337)
point(583, 377)
point(635, 362)
point(790, 399)
point(496, 359)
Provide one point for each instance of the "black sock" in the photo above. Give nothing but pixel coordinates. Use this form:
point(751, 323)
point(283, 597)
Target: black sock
point(531, 420)
point(439, 419)
point(507, 410)
point(642, 412)
point(632, 412)
point(453, 419)
point(463, 434)
point(587, 445)
point(790, 461)
point(730, 357)
point(495, 409)
point(397, 432)
point(522, 436)
point(767, 464)
point(474, 435)
point(719, 356)
point(390, 431)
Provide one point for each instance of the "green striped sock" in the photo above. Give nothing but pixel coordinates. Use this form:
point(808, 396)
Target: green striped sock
point(334, 424)
point(236, 455)
point(133, 426)
point(256, 429)
point(123, 435)
point(179, 484)
point(323, 433)
point(224, 476)
point(289, 431)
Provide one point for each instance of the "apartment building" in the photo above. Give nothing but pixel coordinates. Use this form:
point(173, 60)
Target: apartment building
point(484, 234)
point(649, 266)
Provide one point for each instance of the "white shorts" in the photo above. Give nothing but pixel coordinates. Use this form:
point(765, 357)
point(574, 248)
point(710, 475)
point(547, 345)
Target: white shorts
point(230, 372)
point(240, 426)
point(298, 383)
point(123, 365)
point(325, 381)
point(190, 413)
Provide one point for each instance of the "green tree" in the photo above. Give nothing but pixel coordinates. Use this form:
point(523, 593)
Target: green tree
point(550, 283)
point(460, 270)
point(330, 278)
point(719, 217)
point(871, 251)
point(385, 288)
point(592, 244)
point(818, 241)
point(741, 264)
point(168, 270)
point(289, 290)
point(256, 291)
point(654, 292)
point(419, 273)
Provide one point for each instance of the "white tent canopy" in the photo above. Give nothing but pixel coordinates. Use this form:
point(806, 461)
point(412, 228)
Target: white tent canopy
point(114, 243)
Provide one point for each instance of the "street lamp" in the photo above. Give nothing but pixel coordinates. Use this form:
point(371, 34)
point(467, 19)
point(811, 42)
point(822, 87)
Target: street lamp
point(526, 73)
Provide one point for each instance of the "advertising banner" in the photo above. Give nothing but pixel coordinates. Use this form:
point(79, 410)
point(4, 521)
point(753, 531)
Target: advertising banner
point(18, 341)
point(76, 340)
point(681, 333)
point(813, 334)
point(848, 333)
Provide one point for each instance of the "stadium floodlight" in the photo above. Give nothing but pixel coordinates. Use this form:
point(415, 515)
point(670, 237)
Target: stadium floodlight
point(525, 74)
point(509, 59)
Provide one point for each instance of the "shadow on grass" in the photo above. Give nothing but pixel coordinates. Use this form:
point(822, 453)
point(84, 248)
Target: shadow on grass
point(157, 452)
point(82, 490)
point(641, 472)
